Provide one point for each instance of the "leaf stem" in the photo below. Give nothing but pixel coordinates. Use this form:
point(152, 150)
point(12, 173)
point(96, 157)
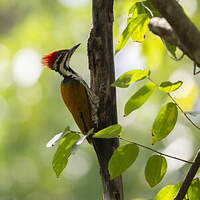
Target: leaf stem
point(177, 105)
point(147, 8)
point(158, 152)
point(169, 54)
point(153, 82)
point(183, 112)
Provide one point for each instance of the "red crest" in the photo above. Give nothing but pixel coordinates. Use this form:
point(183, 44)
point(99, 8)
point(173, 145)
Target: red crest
point(49, 59)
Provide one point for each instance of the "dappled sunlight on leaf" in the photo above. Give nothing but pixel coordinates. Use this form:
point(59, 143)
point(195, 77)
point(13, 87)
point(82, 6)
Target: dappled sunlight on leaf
point(109, 132)
point(136, 26)
point(168, 86)
point(130, 77)
point(187, 94)
point(168, 192)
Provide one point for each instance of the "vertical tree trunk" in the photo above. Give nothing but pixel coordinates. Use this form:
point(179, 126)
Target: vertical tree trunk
point(101, 64)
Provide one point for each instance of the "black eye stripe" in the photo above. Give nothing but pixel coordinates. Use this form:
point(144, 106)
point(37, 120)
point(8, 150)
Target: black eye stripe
point(68, 69)
point(59, 61)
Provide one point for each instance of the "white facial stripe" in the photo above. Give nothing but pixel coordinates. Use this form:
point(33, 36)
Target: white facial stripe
point(62, 69)
point(67, 61)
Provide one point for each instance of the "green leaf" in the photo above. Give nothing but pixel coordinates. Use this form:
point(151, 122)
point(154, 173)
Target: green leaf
point(194, 190)
point(62, 154)
point(139, 98)
point(155, 12)
point(122, 158)
point(171, 48)
point(129, 77)
point(134, 1)
point(66, 129)
point(90, 132)
point(164, 122)
point(137, 9)
point(109, 132)
point(136, 26)
point(140, 25)
point(168, 193)
point(168, 86)
point(155, 169)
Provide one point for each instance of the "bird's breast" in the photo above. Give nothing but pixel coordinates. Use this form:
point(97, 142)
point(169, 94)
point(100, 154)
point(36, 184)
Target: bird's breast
point(75, 97)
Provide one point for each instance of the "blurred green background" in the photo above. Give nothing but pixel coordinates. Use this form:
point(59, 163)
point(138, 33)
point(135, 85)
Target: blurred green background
point(32, 111)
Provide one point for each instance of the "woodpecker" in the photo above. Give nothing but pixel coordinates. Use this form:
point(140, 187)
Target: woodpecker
point(76, 94)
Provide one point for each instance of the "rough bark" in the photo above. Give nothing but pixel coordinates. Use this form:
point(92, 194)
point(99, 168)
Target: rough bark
point(101, 65)
point(185, 30)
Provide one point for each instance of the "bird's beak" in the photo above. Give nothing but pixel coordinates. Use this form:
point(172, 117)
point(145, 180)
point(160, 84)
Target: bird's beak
point(71, 51)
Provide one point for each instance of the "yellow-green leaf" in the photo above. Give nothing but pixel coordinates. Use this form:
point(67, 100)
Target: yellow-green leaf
point(168, 86)
point(164, 122)
point(62, 154)
point(194, 190)
point(122, 158)
point(135, 1)
point(109, 132)
point(90, 132)
point(141, 26)
point(139, 98)
point(136, 28)
point(137, 9)
point(136, 25)
point(155, 12)
point(168, 193)
point(155, 169)
point(129, 77)
point(171, 48)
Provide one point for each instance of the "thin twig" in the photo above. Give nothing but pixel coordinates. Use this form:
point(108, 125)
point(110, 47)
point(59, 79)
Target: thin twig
point(183, 112)
point(150, 12)
point(169, 54)
point(153, 82)
point(158, 152)
point(177, 105)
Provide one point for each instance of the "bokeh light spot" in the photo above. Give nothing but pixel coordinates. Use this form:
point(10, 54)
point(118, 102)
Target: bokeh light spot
point(27, 67)
point(78, 166)
point(187, 94)
point(73, 4)
point(175, 147)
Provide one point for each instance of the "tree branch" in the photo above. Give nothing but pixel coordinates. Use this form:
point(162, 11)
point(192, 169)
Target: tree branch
point(101, 65)
point(186, 32)
point(158, 152)
point(188, 179)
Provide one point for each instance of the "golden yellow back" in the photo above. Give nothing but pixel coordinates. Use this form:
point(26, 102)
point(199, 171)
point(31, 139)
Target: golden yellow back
point(75, 97)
